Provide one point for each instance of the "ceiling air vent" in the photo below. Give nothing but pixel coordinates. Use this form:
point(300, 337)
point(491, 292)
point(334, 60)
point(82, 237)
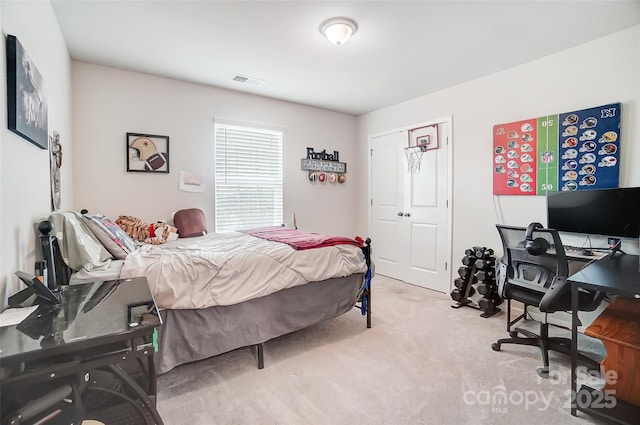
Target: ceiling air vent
point(247, 80)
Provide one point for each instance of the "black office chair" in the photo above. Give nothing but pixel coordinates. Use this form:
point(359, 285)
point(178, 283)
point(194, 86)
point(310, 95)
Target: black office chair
point(534, 271)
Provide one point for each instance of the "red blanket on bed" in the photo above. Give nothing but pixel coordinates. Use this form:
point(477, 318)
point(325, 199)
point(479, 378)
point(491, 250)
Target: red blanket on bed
point(298, 239)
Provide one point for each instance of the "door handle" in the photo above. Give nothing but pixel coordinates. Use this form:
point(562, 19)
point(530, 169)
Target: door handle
point(407, 214)
point(400, 213)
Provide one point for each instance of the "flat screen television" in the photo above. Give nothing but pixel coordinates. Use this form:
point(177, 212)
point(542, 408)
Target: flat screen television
point(607, 212)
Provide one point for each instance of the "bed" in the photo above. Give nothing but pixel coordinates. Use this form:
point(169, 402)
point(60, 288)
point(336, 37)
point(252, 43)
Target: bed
point(220, 292)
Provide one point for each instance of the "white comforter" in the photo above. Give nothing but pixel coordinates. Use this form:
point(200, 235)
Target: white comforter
point(225, 269)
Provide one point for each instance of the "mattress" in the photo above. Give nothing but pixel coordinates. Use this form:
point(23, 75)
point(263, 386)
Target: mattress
point(230, 268)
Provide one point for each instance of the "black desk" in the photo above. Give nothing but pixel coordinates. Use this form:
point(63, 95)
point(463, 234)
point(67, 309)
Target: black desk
point(96, 325)
point(620, 276)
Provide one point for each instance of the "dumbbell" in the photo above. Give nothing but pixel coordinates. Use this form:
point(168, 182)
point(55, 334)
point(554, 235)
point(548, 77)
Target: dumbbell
point(459, 294)
point(479, 250)
point(464, 271)
point(491, 301)
point(486, 257)
point(468, 260)
point(465, 274)
point(485, 275)
point(487, 305)
point(484, 252)
point(483, 264)
point(486, 289)
point(459, 283)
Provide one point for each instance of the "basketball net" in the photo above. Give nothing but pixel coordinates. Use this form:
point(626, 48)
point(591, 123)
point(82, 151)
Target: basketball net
point(414, 157)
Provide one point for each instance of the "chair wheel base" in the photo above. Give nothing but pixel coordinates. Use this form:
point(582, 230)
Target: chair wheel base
point(495, 346)
point(513, 334)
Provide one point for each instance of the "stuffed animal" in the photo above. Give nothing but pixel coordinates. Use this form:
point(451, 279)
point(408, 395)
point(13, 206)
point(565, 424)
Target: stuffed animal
point(154, 233)
point(161, 232)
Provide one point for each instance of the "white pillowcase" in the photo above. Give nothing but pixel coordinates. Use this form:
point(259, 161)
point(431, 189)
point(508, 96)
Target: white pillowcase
point(79, 247)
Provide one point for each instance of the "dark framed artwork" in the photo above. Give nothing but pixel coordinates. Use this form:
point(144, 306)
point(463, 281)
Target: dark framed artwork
point(26, 98)
point(147, 153)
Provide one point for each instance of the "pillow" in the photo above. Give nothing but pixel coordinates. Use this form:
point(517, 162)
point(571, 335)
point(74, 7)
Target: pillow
point(79, 247)
point(190, 223)
point(116, 240)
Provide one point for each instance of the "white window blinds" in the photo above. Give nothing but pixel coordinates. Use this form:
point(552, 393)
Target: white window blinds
point(248, 177)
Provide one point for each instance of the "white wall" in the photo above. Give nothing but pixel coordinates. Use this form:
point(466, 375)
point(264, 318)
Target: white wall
point(603, 71)
point(108, 103)
point(24, 172)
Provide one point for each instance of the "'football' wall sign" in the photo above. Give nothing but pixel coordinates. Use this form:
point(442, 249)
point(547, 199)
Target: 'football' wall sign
point(323, 166)
point(571, 151)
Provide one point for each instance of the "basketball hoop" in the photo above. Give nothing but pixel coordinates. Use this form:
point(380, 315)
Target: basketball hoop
point(414, 157)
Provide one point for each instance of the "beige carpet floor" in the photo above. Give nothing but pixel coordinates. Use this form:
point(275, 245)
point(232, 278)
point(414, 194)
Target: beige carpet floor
point(422, 362)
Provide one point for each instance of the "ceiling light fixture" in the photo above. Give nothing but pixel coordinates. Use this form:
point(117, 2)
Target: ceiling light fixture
point(338, 30)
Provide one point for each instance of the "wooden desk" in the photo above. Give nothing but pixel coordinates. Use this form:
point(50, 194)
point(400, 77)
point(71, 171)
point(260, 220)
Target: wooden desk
point(618, 327)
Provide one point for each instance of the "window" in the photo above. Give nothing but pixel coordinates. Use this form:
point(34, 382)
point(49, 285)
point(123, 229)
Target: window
point(248, 164)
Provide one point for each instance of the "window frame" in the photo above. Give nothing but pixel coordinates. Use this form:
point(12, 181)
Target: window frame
point(265, 188)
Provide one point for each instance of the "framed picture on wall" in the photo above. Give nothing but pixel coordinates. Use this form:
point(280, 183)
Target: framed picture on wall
point(26, 98)
point(147, 153)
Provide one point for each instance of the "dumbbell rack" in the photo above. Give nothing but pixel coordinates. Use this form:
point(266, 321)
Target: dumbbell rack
point(477, 275)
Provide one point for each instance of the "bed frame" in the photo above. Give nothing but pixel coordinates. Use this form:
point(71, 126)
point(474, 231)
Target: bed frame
point(193, 335)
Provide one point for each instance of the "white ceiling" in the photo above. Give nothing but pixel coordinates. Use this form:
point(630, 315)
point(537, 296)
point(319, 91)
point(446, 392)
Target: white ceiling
point(401, 50)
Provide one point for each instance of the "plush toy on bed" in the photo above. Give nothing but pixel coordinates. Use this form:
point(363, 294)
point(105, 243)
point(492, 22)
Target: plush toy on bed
point(153, 233)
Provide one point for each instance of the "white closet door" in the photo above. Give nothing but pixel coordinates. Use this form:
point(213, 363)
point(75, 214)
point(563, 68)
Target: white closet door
point(409, 213)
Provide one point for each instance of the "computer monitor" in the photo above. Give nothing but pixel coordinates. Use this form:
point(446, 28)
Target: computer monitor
point(607, 212)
